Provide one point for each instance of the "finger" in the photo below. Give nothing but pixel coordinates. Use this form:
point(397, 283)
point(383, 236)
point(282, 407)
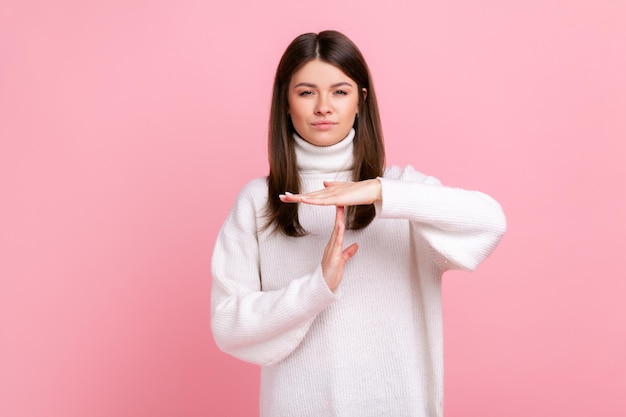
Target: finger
point(340, 215)
point(320, 198)
point(334, 194)
point(339, 227)
point(290, 198)
point(333, 183)
point(315, 197)
point(334, 257)
point(335, 242)
point(349, 252)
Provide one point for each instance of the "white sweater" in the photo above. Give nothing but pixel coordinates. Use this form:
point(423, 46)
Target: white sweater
point(373, 347)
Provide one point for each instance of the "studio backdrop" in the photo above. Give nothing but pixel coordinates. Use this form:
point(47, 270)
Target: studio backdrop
point(128, 127)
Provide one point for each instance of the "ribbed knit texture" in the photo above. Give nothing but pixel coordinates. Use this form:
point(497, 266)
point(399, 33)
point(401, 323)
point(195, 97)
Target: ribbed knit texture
point(374, 347)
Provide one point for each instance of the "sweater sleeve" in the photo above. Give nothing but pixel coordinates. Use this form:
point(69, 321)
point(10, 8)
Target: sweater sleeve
point(461, 227)
point(261, 327)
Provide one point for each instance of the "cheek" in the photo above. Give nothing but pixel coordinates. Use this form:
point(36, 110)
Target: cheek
point(348, 114)
point(298, 112)
point(354, 104)
point(297, 120)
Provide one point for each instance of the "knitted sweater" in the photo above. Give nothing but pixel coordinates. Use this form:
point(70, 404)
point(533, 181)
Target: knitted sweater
point(373, 347)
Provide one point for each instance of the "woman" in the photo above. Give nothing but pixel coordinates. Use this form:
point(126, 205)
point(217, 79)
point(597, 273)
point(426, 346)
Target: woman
point(341, 330)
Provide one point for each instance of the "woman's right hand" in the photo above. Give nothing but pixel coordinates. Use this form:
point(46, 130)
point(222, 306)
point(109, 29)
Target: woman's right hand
point(335, 256)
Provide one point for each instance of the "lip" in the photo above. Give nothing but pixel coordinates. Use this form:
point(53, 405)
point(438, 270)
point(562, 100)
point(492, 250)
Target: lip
point(323, 125)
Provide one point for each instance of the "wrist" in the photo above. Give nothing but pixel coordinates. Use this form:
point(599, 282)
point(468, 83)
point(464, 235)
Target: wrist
point(378, 186)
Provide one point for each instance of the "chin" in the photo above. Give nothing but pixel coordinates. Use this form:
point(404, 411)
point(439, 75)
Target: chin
point(325, 139)
point(325, 142)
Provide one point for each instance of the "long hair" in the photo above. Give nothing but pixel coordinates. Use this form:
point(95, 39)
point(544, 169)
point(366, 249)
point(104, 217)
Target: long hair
point(336, 49)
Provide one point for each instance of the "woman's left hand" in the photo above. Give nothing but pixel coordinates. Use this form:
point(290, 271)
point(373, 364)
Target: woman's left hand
point(339, 194)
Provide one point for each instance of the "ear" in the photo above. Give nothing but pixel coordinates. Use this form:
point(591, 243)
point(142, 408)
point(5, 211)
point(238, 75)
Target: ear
point(364, 93)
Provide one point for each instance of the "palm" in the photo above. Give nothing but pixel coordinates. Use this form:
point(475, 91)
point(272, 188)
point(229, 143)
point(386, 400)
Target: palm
point(339, 194)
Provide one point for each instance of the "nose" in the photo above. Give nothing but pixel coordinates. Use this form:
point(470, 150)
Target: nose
point(323, 106)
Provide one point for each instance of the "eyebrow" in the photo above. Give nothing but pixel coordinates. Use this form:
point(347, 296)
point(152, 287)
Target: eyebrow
point(343, 83)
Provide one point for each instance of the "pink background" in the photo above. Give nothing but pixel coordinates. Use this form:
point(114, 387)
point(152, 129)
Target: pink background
point(127, 128)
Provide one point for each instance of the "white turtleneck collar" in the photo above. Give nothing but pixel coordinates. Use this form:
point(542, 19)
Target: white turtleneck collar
point(313, 159)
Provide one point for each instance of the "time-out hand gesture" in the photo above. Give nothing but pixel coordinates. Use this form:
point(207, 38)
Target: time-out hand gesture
point(335, 256)
point(339, 194)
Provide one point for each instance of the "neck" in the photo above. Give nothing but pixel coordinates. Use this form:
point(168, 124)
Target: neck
point(324, 159)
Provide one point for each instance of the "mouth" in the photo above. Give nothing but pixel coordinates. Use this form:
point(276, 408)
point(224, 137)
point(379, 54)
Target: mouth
point(323, 124)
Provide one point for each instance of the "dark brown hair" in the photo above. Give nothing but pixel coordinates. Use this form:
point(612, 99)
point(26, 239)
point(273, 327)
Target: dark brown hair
point(369, 154)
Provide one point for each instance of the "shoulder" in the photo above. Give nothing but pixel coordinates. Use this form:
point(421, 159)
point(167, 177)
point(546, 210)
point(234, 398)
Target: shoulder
point(408, 174)
point(255, 187)
point(251, 197)
point(248, 208)
point(252, 194)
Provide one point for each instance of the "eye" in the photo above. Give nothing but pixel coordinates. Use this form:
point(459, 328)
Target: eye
point(305, 93)
point(341, 92)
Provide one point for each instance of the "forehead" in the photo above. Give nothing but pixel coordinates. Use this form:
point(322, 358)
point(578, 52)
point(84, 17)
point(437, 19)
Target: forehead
point(319, 73)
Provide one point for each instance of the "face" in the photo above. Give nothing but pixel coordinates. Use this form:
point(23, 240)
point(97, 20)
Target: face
point(323, 102)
